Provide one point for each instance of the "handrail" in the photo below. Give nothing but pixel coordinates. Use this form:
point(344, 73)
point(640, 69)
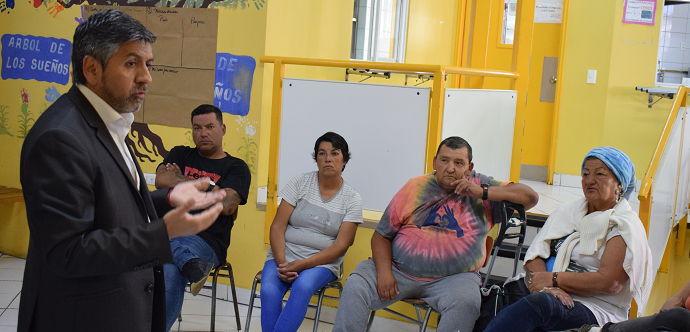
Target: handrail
point(646, 185)
point(480, 72)
point(398, 67)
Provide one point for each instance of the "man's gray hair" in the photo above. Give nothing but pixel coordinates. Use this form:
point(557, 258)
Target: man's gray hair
point(100, 35)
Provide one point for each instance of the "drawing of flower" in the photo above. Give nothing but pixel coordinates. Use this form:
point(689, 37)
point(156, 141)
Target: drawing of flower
point(26, 117)
point(248, 150)
point(25, 96)
point(3, 121)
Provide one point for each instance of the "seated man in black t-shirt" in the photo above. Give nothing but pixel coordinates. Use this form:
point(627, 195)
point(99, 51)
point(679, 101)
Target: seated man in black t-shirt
point(194, 256)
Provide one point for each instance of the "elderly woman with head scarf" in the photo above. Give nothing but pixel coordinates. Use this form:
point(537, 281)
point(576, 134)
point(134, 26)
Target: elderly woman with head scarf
point(590, 259)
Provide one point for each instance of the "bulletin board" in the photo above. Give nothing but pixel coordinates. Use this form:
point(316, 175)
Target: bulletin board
point(485, 119)
point(385, 127)
point(184, 53)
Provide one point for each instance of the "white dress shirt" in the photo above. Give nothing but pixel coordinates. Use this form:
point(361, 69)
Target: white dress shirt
point(118, 125)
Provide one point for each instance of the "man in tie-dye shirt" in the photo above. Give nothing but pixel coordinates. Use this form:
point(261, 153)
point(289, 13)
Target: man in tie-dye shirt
point(430, 243)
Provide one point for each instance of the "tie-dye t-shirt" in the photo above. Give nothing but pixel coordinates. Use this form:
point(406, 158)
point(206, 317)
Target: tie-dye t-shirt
point(435, 233)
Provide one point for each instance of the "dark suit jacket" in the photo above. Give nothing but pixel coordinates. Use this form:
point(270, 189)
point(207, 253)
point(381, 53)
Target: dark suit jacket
point(94, 260)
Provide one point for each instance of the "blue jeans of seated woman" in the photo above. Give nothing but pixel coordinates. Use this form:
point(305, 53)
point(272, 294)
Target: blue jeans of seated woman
point(274, 317)
point(183, 249)
point(541, 312)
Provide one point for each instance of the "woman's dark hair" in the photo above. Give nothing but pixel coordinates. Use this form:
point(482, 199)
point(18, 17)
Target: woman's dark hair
point(337, 141)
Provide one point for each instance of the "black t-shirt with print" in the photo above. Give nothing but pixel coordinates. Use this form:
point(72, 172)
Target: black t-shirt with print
point(227, 172)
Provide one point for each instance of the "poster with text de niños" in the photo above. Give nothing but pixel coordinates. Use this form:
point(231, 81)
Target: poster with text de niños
point(234, 76)
point(38, 58)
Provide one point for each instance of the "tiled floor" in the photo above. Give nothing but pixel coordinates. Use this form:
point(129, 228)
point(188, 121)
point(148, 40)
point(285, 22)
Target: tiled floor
point(197, 310)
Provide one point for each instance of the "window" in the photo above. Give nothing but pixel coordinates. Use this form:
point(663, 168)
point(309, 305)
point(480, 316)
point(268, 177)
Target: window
point(379, 30)
point(673, 57)
point(508, 30)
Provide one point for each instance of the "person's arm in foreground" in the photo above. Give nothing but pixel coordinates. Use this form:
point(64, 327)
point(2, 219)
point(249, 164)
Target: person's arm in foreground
point(277, 236)
point(169, 175)
point(382, 250)
point(609, 279)
point(344, 239)
point(514, 192)
point(678, 299)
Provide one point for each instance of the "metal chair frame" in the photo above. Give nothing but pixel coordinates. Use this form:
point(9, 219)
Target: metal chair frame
point(507, 221)
point(321, 294)
point(214, 285)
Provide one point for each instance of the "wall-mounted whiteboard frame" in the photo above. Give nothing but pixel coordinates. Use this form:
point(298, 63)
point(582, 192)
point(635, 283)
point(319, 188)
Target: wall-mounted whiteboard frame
point(486, 120)
point(385, 127)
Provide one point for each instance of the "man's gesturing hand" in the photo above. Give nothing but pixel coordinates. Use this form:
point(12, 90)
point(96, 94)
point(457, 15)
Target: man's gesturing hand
point(196, 191)
point(179, 222)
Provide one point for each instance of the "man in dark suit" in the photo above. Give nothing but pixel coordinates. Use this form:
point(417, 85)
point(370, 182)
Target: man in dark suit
point(97, 247)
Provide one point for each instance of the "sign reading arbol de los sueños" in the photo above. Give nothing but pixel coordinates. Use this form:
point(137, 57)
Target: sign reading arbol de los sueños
point(35, 58)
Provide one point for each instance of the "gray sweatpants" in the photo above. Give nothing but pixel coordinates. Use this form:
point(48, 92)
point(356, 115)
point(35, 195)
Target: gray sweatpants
point(456, 297)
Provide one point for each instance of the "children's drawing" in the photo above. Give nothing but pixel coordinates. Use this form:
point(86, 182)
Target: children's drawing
point(26, 117)
point(4, 126)
point(6, 6)
point(248, 149)
point(142, 133)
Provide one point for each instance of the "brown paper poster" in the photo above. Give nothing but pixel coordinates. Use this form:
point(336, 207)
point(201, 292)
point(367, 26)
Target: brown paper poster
point(184, 54)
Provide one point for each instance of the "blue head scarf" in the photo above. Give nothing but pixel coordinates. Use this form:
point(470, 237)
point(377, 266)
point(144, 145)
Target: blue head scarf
point(619, 163)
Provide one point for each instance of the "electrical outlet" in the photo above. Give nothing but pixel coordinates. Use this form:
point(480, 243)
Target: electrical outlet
point(682, 46)
point(150, 179)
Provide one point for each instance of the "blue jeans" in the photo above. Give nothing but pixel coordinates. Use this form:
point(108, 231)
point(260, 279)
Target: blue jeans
point(273, 316)
point(541, 312)
point(183, 249)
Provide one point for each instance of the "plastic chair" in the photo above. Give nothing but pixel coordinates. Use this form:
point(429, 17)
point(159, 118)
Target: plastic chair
point(321, 294)
point(508, 209)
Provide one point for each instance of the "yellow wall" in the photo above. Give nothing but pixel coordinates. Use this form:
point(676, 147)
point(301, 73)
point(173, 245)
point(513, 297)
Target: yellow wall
point(609, 112)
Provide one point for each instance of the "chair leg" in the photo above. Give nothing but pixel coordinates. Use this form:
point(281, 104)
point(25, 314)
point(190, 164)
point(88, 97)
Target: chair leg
point(426, 319)
point(419, 317)
point(251, 305)
point(371, 320)
point(318, 308)
point(234, 298)
point(213, 299)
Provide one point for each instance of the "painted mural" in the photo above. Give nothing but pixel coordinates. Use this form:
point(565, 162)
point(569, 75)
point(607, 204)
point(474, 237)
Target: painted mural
point(35, 71)
point(144, 136)
point(233, 88)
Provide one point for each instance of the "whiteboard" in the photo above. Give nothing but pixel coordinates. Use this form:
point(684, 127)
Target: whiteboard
point(486, 120)
point(385, 127)
point(662, 220)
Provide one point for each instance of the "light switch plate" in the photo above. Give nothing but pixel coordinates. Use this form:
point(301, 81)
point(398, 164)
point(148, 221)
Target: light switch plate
point(150, 179)
point(591, 76)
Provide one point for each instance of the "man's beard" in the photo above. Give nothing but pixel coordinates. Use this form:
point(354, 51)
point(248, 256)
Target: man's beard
point(130, 104)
